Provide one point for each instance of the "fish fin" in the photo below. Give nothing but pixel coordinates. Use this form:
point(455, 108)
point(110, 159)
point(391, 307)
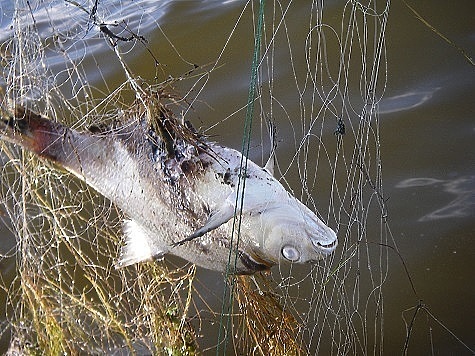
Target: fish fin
point(216, 219)
point(269, 166)
point(53, 141)
point(32, 131)
point(137, 246)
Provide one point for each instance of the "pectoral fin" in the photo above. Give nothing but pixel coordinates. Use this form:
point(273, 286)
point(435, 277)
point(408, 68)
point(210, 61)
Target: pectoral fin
point(138, 246)
point(216, 219)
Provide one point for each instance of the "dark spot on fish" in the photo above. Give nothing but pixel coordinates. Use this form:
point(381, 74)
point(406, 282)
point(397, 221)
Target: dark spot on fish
point(255, 213)
point(188, 167)
point(178, 154)
point(226, 177)
point(205, 164)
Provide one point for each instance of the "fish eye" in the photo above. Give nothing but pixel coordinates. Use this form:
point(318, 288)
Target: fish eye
point(290, 253)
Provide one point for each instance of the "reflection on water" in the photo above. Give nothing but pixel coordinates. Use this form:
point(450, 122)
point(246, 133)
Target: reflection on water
point(71, 31)
point(462, 191)
point(405, 101)
point(69, 19)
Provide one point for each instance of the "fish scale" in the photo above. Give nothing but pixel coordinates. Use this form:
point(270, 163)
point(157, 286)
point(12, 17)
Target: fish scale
point(179, 193)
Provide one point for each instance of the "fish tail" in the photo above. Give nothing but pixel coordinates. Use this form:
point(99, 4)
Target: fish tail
point(33, 132)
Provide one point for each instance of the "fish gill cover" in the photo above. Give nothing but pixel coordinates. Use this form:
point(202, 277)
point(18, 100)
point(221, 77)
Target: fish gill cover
point(92, 65)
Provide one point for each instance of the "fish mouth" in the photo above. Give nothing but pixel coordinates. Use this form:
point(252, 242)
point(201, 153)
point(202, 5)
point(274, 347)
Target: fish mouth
point(325, 248)
point(331, 245)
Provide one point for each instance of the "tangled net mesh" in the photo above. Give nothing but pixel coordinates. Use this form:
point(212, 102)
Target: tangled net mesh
point(66, 295)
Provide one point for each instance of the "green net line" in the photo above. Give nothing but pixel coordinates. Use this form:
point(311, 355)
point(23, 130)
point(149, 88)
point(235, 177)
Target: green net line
point(230, 279)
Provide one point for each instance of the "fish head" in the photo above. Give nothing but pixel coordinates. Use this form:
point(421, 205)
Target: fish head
point(296, 234)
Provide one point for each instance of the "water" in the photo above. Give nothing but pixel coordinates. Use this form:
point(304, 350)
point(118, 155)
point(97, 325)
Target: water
point(427, 136)
point(429, 163)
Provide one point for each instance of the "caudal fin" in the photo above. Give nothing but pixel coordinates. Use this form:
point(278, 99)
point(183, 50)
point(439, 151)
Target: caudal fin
point(33, 132)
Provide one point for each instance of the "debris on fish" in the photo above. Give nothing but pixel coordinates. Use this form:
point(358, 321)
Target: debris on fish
point(179, 191)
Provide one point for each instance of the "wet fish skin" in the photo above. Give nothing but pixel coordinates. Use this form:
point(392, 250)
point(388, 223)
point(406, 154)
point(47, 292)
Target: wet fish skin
point(111, 164)
point(192, 194)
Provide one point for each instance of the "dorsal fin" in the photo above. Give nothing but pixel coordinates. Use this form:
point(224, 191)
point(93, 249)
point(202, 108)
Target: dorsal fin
point(269, 166)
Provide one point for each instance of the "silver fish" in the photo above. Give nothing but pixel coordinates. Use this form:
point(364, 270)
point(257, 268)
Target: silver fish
point(180, 192)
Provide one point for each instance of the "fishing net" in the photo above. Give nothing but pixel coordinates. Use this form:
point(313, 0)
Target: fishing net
point(86, 63)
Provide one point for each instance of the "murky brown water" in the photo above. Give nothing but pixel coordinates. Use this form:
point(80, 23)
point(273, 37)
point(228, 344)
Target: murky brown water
point(427, 131)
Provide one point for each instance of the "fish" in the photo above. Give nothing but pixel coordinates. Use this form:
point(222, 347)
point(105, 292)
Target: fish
point(179, 191)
